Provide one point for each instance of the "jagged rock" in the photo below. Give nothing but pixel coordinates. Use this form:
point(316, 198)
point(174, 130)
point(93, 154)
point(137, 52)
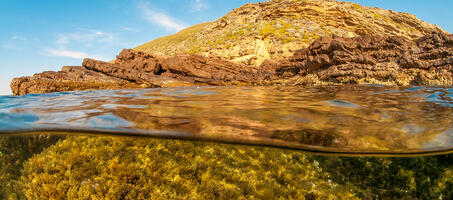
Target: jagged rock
point(69, 79)
point(186, 68)
point(129, 73)
point(211, 70)
point(391, 60)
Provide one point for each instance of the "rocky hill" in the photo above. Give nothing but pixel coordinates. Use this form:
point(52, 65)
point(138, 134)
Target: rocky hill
point(279, 42)
point(329, 60)
point(275, 29)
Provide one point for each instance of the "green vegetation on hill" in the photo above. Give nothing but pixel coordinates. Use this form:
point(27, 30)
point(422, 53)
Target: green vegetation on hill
point(275, 29)
point(175, 40)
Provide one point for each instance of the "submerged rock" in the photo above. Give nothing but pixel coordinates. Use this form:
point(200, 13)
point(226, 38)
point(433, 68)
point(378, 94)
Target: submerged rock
point(390, 60)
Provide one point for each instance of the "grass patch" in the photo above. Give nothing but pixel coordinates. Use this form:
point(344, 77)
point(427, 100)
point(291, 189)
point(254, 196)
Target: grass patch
point(172, 40)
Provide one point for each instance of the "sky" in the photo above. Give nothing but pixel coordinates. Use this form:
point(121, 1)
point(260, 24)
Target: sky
point(45, 35)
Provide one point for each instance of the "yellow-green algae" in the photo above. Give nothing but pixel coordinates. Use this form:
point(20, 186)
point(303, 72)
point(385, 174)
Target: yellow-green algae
point(137, 168)
point(87, 167)
point(14, 151)
point(393, 178)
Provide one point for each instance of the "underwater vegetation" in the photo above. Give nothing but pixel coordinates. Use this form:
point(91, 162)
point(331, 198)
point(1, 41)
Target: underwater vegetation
point(393, 178)
point(14, 151)
point(137, 168)
point(92, 167)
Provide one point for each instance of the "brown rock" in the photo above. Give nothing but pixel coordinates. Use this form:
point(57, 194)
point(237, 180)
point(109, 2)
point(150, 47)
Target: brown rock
point(141, 67)
point(389, 60)
point(139, 61)
point(210, 70)
point(69, 79)
point(136, 75)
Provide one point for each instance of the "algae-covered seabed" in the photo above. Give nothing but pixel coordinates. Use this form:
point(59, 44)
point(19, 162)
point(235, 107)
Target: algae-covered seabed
point(107, 167)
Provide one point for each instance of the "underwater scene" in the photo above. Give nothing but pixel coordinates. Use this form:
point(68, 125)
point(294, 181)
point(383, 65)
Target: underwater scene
point(238, 142)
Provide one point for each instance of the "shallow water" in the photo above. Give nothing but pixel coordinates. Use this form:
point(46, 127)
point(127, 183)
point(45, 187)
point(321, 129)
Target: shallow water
point(189, 143)
point(348, 119)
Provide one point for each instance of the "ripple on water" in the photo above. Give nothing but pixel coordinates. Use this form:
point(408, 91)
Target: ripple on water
point(11, 121)
point(343, 104)
point(330, 118)
point(442, 140)
point(109, 121)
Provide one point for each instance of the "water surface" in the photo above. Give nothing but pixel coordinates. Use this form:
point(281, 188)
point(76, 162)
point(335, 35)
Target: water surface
point(347, 120)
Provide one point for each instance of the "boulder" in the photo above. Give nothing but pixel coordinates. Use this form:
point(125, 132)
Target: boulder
point(141, 67)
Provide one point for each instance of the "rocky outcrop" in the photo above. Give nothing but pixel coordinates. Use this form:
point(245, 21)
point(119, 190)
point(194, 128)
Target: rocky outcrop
point(189, 69)
point(370, 59)
point(287, 42)
point(390, 60)
point(275, 29)
point(210, 70)
point(68, 79)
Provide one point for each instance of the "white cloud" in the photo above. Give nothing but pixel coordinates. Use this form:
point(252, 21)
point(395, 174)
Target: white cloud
point(17, 42)
point(19, 37)
point(198, 5)
point(63, 39)
point(72, 54)
point(159, 18)
point(130, 29)
point(11, 47)
point(86, 37)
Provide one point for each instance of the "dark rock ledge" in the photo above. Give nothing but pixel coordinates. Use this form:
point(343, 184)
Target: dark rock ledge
point(327, 61)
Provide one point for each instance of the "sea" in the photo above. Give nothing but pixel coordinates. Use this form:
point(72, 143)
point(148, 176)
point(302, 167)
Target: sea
point(229, 142)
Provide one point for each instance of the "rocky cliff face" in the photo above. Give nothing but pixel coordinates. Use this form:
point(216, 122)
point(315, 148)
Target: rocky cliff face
point(391, 60)
point(275, 29)
point(369, 59)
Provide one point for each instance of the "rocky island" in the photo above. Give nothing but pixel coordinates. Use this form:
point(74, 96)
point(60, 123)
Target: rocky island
point(279, 42)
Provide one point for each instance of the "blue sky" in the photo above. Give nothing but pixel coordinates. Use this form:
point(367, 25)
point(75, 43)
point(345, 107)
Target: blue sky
point(44, 35)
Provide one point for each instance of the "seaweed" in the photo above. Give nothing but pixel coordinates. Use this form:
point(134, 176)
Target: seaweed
point(137, 168)
point(393, 178)
point(14, 151)
point(94, 167)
